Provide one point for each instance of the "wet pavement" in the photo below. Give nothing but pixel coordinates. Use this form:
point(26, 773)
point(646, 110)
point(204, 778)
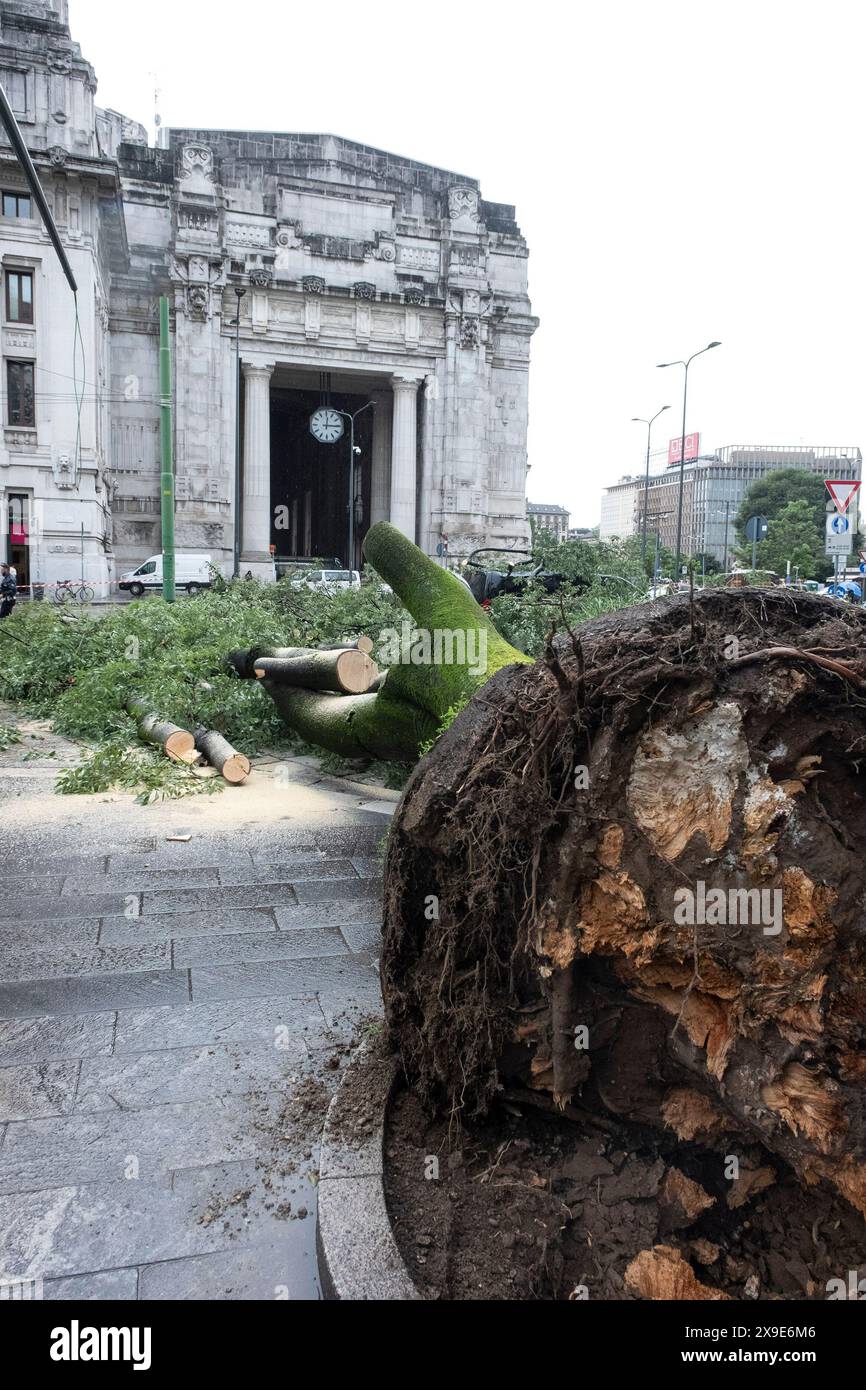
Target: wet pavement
point(175, 1014)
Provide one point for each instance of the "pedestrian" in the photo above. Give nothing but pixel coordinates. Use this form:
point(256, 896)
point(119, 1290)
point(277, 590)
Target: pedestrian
point(8, 591)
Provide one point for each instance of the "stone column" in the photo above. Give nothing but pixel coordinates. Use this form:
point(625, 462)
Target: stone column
point(380, 474)
point(404, 454)
point(256, 501)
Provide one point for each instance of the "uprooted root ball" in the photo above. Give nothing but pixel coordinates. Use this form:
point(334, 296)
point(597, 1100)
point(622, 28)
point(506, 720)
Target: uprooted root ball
point(630, 879)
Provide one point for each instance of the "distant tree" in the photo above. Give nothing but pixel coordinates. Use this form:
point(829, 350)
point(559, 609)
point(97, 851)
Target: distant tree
point(793, 536)
point(706, 564)
point(582, 560)
point(770, 495)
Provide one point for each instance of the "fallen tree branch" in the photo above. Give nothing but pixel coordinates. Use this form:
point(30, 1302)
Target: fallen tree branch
point(173, 740)
point(234, 766)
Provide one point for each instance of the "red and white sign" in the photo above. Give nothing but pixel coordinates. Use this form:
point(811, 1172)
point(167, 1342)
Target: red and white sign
point(693, 444)
point(841, 490)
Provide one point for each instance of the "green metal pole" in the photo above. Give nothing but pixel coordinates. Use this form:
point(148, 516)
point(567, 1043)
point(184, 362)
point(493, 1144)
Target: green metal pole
point(167, 475)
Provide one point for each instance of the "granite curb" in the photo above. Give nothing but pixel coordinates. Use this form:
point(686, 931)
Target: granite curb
point(357, 1253)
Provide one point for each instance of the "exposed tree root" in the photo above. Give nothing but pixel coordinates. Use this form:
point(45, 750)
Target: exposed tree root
point(537, 864)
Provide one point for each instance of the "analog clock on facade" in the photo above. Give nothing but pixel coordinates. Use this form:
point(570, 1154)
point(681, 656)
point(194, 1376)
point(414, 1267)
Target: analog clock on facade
point(326, 425)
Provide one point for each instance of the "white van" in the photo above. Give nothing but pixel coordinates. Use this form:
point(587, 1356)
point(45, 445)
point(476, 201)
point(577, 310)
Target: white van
point(327, 580)
point(191, 572)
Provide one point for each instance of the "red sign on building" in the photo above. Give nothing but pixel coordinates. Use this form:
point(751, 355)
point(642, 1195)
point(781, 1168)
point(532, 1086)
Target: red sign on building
point(693, 443)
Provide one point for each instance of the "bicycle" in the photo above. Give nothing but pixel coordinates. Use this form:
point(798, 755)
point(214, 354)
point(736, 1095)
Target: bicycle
point(69, 592)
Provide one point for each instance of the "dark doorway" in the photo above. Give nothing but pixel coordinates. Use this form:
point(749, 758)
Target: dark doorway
point(310, 481)
point(18, 536)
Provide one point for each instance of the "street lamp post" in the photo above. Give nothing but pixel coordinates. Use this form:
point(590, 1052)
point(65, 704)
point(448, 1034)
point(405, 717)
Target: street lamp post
point(639, 420)
point(678, 362)
point(370, 405)
point(236, 565)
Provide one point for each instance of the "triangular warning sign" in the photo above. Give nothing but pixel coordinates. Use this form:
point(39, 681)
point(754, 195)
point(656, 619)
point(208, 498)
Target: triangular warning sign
point(841, 490)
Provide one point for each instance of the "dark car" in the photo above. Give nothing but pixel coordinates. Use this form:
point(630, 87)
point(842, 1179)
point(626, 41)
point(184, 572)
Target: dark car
point(488, 580)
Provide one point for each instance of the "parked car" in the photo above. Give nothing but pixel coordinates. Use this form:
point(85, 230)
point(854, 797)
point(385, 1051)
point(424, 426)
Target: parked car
point(191, 572)
point(327, 580)
point(299, 566)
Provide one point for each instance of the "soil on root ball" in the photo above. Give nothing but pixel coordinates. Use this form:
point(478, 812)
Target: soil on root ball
point(527, 1206)
point(629, 881)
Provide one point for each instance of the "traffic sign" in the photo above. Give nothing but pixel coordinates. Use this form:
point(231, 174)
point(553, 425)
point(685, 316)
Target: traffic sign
point(862, 567)
point(757, 528)
point(841, 490)
point(839, 531)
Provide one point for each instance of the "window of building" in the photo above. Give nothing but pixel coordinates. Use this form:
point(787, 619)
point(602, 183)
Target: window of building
point(21, 394)
point(17, 205)
point(19, 296)
point(16, 83)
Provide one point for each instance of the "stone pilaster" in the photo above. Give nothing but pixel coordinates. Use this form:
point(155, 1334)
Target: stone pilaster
point(380, 477)
point(256, 501)
point(404, 447)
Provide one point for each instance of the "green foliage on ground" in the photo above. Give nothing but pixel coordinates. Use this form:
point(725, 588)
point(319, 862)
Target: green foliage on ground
point(79, 670)
point(115, 764)
point(612, 570)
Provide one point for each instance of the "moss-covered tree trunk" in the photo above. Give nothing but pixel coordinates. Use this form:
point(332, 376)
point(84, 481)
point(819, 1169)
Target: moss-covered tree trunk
point(456, 650)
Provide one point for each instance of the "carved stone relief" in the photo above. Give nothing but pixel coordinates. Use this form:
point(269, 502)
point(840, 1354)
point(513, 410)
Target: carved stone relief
point(463, 203)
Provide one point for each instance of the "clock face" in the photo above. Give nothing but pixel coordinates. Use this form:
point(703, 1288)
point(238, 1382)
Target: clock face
point(326, 425)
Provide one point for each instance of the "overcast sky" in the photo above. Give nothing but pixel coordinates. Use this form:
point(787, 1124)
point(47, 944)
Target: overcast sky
point(682, 172)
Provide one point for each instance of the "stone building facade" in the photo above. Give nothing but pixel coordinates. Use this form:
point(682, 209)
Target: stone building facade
point(384, 289)
point(550, 517)
point(55, 483)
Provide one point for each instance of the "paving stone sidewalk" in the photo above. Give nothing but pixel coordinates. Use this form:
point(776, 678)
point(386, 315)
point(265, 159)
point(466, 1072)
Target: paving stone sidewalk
point(173, 1019)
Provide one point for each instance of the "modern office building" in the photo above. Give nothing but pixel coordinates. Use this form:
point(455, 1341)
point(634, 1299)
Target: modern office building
point(618, 509)
point(713, 488)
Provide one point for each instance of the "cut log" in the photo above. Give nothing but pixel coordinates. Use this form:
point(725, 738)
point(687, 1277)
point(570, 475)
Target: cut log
point(154, 729)
point(243, 661)
point(347, 671)
point(651, 843)
point(234, 766)
point(410, 706)
point(361, 644)
point(190, 758)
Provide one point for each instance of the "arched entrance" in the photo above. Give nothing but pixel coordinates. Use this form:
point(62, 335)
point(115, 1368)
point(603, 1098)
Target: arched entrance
point(310, 480)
